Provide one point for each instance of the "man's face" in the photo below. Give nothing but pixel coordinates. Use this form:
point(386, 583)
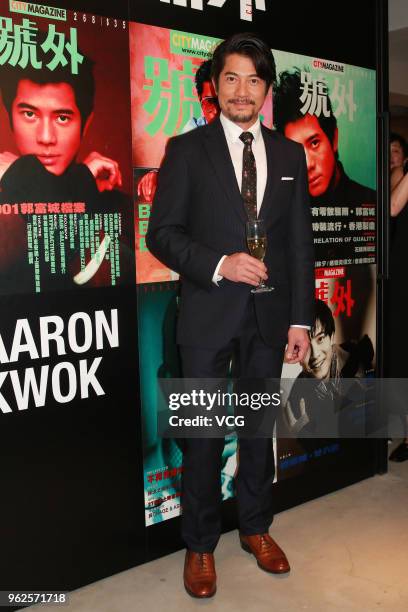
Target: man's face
point(396, 155)
point(241, 92)
point(209, 102)
point(320, 152)
point(47, 123)
point(321, 353)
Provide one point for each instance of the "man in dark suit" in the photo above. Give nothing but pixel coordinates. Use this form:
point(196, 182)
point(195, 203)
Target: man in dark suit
point(211, 182)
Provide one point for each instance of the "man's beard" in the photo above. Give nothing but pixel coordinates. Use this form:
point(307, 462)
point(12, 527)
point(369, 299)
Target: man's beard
point(243, 116)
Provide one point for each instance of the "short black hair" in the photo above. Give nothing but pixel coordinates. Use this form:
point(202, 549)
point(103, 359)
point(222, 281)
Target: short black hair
point(203, 75)
point(394, 137)
point(287, 104)
point(253, 47)
point(83, 83)
point(323, 315)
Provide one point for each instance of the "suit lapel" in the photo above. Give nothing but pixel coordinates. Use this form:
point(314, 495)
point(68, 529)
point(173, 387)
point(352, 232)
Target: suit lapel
point(217, 149)
point(218, 153)
point(276, 169)
point(272, 162)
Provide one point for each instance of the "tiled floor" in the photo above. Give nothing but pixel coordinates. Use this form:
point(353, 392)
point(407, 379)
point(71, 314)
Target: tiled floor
point(348, 552)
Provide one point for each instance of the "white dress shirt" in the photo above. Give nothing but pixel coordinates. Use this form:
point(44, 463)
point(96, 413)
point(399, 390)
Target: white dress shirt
point(232, 133)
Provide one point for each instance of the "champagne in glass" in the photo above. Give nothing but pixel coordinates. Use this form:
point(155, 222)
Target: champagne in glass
point(257, 247)
point(257, 243)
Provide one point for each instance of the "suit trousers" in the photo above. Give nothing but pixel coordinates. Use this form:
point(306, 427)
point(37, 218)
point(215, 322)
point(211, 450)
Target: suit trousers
point(201, 500)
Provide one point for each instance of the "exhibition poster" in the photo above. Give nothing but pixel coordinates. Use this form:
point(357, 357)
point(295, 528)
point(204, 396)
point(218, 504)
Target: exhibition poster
point(65, 148)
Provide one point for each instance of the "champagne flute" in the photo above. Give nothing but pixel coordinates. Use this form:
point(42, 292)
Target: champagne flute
point(257, 243)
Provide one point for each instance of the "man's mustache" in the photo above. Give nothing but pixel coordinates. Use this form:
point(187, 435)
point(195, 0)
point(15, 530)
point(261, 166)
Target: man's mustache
point(241, 101)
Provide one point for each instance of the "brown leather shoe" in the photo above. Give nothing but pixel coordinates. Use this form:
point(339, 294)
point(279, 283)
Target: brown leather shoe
point(270, 557)
point(199, 574)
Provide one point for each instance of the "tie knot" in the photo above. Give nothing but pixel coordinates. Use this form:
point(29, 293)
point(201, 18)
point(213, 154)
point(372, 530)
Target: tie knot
point(247, 138)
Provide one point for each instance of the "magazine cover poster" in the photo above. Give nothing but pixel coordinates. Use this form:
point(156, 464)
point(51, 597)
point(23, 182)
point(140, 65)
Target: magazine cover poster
point(66, 212)
point(148, 268)
point(330, 108)
point(343, 345)
point(159, 358)
point(172, 93)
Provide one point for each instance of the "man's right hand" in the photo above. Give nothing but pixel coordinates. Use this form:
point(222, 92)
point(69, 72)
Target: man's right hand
point(105, 171)
point(6, 159)
point(147, 186)
point(242, 268)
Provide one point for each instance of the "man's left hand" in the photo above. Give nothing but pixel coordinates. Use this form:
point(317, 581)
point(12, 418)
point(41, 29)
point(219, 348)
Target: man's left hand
point(298, 345)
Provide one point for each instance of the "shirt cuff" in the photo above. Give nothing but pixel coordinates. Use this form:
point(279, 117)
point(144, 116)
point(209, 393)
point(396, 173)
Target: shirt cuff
point(217, 277)
point(302, 326)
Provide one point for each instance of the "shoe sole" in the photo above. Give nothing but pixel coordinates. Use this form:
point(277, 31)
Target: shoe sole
point(199, 596)
point(248, 550)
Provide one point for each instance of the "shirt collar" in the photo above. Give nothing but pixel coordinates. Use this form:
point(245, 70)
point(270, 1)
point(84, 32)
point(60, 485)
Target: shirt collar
point(233, 131)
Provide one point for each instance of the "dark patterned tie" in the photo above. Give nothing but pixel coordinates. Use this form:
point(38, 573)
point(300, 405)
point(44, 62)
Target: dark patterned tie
point(248, 187)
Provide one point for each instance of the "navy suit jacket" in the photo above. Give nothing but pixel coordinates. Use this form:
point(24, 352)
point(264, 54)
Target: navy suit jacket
point(198, 215)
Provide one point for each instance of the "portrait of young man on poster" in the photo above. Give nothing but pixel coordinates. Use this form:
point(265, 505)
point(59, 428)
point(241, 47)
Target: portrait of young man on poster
point(146, 187)
point(325, 364)
point(318, 133)
point(148, 269)
point(50, 112)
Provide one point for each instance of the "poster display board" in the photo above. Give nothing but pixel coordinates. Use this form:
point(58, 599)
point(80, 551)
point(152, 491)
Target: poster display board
point(327, 107)
point(66, 206)
point(68, 335)
point(343, 345)
point(330, 108)
point(88, 314)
